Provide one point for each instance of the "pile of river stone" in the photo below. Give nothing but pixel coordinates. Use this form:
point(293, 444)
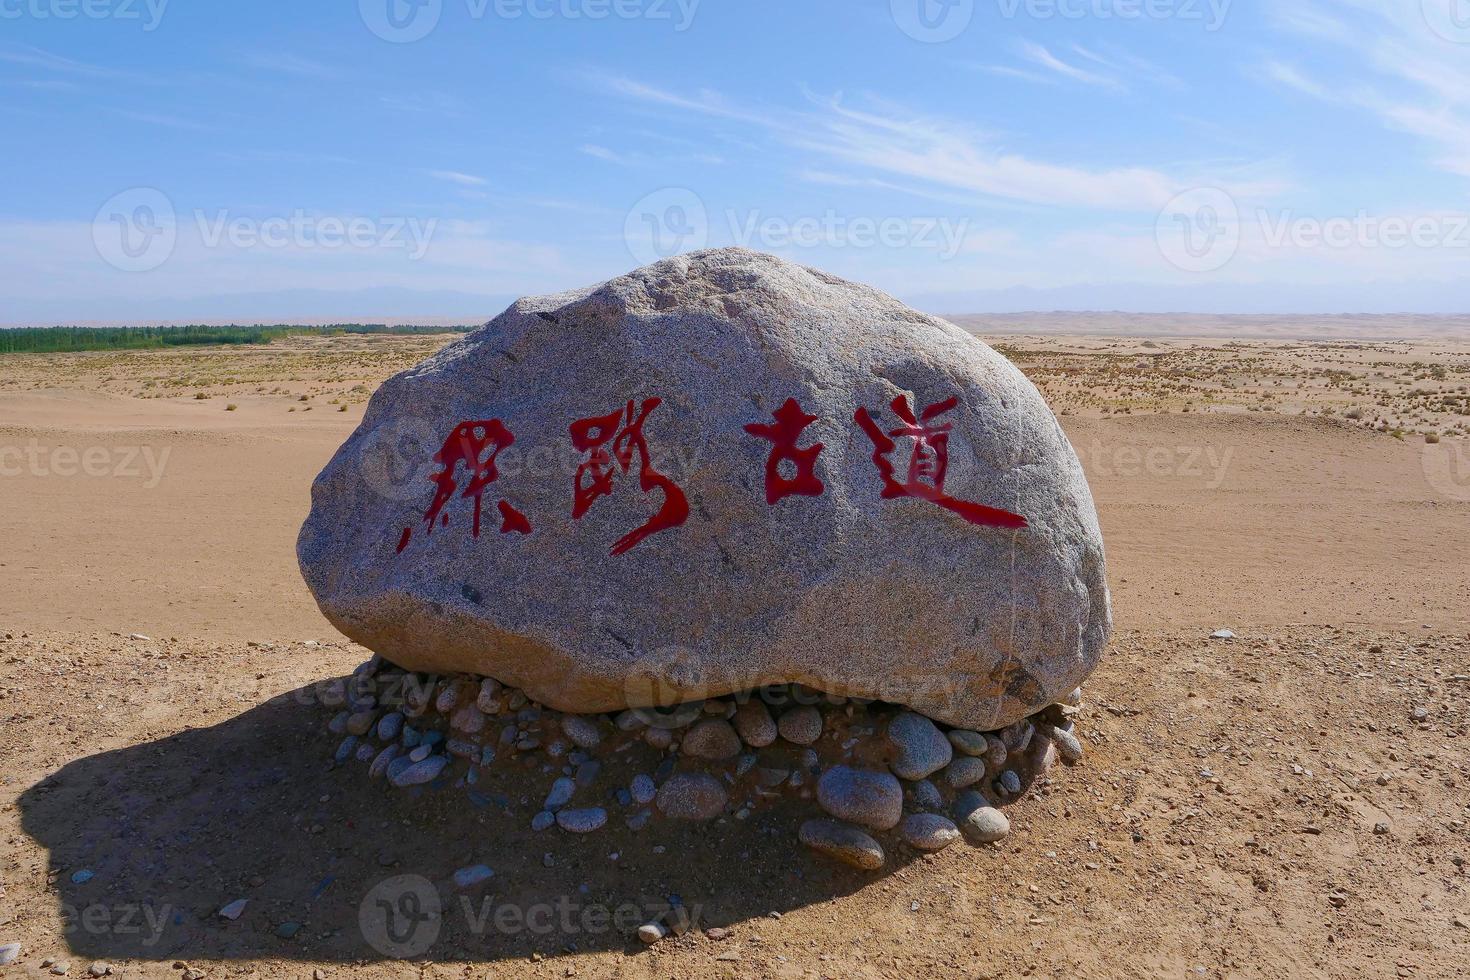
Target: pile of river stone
point(875, 768)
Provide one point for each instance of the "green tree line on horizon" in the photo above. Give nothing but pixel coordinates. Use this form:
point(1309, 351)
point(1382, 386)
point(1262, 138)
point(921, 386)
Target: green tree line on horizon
point(54, 340)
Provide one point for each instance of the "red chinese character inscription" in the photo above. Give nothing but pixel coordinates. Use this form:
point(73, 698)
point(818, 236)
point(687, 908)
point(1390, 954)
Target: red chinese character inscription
point(594, 477)
point(928, 463)
point(468, 445)
point(791, 421)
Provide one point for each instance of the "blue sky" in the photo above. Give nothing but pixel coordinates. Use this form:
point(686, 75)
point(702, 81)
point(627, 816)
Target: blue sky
point(178, 159)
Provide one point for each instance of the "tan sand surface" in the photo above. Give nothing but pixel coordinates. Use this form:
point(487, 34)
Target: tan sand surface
point(1223, 824)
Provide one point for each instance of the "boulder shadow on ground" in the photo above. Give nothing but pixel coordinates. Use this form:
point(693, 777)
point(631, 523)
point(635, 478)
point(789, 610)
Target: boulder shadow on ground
point(148, 843)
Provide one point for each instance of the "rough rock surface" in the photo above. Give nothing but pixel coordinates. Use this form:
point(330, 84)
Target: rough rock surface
point(917, 597)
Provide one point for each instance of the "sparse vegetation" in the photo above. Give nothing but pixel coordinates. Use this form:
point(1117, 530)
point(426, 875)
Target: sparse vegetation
point(52, 340)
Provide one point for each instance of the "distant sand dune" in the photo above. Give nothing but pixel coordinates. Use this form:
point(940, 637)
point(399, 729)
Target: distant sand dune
point(1212, 326)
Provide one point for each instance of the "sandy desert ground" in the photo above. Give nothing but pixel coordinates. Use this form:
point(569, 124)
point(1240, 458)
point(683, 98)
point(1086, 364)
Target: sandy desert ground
point(1292, 803)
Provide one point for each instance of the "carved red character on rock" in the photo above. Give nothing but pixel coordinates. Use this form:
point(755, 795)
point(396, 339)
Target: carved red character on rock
point(623, 432)
point(474, 447)
point(791, 421)
point(928, 461)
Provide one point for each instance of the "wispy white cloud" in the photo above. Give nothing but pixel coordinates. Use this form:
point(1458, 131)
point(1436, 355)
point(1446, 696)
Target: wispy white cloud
point(1006, 71)
point(624, 158)
point(1041, 56)
point(1281, 73)
point(456, 177)
point(1129, 65)
point(1414, 80)
point(925, 155)
point(290, 64)
point(427, 103)
point(602, 153)
point(1105, 67)
point(25, 54)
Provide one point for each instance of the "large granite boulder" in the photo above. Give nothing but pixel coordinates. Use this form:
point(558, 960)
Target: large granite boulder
point(714, 473)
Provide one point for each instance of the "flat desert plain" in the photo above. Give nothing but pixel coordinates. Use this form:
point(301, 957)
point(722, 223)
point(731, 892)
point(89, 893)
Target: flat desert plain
point(1289, 803)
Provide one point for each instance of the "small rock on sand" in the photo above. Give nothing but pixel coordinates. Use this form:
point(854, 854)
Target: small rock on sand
point(968, 742)
point(925, 794)
point(980, 822)
point(473, 875)
point(754, 723)
point(928, 831)
point(418, 773)
point(1067, 744)
point(642, 789)
point(389, 726)
point(583, 732)
point(582, 821)
point(560, 795)
point(692, 796)
point(801, 725)
point(963, 771)
point(844, 842)
point(651, 932)
point(873, 799)
point(713, 739)
point(922, 748)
